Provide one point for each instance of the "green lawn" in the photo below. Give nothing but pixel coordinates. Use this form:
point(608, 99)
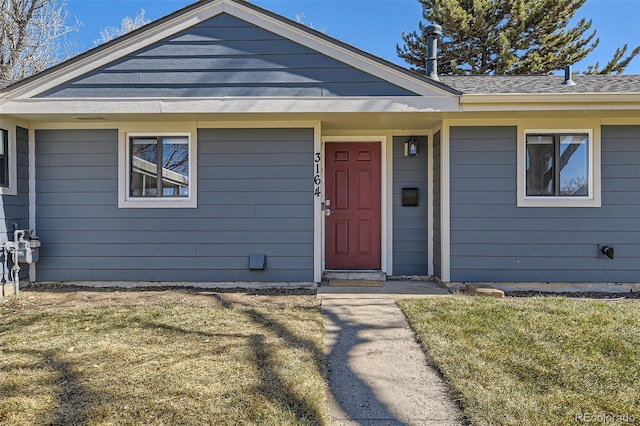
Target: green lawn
point(535, 361)
point(161, 358)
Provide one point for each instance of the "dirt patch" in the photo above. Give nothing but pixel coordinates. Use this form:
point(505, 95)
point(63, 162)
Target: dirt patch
point(54, 297)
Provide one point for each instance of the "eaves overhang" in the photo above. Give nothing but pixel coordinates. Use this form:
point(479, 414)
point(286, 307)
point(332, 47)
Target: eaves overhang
point(22, 107)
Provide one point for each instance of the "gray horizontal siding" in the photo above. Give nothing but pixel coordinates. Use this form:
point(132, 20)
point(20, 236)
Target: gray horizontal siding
point(15, 208)
point(226, 56)
point(493, 240)
point(410, 233)
point(255, 195)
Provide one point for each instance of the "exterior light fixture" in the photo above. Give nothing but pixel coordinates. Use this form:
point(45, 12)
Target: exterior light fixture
point(411, 148)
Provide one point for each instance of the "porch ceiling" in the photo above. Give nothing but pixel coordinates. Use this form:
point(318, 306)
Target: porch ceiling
point(338, 121)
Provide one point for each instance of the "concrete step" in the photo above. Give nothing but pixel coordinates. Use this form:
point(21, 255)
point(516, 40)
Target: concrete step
point(354, 275)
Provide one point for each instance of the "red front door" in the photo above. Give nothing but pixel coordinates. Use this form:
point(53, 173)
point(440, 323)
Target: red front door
point(353, 228)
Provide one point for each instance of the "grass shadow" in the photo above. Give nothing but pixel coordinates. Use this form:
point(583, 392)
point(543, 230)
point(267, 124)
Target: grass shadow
point(275, 389)
point(275, 352)
point(272, 384)
point(292, 340)
point(73, 399)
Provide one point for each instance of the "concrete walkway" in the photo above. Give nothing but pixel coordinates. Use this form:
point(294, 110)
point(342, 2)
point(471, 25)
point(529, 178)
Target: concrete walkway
point(378, 374)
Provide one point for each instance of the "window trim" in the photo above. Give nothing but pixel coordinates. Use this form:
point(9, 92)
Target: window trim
point(12, 159)
point(591, 200)
point(124, 170)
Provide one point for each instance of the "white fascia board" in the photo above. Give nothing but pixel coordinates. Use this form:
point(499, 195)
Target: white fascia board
point(229, 105)
point(117, 51)
point(549, 101)
point(335, 51)
point(81, 107)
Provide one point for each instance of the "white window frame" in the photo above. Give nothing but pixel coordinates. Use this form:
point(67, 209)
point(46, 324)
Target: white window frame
point(12, 163)
point(124, 170)
point(594, 198)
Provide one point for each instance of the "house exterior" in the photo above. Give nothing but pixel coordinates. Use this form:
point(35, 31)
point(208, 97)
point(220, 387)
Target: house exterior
point(226, 144)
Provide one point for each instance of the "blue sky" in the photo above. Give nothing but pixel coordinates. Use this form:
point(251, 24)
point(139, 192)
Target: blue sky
point(372, 25)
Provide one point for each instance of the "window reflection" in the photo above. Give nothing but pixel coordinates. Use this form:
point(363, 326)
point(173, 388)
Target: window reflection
point(574, 154)
point(146, 154)
point(557, 165)
point(4, 157)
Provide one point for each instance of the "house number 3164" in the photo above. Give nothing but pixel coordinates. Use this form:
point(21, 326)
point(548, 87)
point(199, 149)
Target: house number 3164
point(317, 180)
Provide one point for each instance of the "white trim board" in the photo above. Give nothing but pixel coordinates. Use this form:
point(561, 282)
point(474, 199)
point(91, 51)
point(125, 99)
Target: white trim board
point(445, 203)
point(430, 201)
point(318, 214)
point(32, 194)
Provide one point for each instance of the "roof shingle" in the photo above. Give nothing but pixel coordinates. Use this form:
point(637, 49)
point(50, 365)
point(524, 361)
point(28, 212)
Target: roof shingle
point(539, 84)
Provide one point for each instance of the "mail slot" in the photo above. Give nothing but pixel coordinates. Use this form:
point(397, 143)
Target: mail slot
point(410, 197)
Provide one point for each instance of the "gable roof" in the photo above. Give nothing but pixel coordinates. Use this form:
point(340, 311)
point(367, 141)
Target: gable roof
point(6, 83)
point(224, 56)
point(205, 9)
point(541, 84)
point(393, 88)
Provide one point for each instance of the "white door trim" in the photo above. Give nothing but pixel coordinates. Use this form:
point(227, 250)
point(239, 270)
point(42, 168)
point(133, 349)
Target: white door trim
point(385, 208)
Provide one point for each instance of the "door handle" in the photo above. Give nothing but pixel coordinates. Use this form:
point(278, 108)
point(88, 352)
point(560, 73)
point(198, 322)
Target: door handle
point(327, 212)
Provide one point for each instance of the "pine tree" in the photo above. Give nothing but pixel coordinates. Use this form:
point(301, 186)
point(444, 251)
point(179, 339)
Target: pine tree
point(505, 37)
point(616, 64)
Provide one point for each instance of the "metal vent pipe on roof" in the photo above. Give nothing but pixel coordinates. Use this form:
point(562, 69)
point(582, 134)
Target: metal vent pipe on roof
point(567, 77)
point(433, 32)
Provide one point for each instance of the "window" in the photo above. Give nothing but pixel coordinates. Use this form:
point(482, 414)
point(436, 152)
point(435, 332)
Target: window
point(157, 170)
point(558, 165)
point(8, 166)
point(147, 153)
point(558, 169)
point(4, 158)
